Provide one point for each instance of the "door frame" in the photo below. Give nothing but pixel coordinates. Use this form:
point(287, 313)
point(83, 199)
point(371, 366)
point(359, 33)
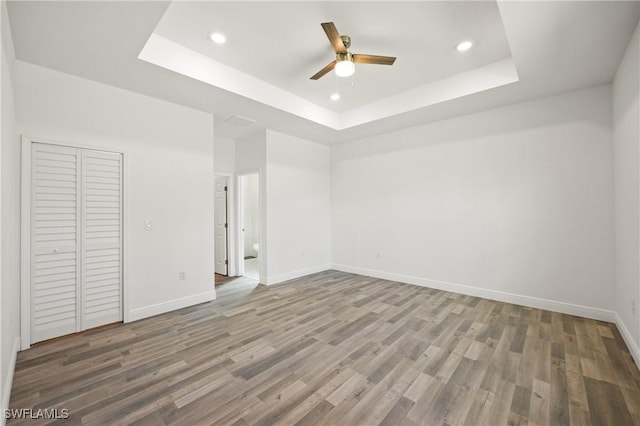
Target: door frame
point(227, 224)
point(25, 230)
point(232, 269)
point(261, 220)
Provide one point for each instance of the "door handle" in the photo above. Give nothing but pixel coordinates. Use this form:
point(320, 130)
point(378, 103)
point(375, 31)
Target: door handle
point(55, 250)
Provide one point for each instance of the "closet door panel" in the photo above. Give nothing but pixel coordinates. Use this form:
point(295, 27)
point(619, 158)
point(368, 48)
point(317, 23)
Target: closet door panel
point(101, 238)
point(54, 241)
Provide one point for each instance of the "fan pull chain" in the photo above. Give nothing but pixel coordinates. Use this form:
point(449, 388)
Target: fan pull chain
point(336, 95)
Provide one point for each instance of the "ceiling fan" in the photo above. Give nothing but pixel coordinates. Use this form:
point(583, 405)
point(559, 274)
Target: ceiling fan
point(345, 60)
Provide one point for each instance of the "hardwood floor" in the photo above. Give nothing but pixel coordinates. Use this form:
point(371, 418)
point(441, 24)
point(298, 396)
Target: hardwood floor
point(336, 348)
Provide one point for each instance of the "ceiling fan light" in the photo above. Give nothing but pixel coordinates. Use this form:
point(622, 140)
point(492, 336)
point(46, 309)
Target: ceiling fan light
point(345, 68)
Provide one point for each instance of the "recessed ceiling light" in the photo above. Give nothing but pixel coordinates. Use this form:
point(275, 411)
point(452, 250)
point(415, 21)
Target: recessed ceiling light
point(463, 46)
point(218, 38)
point(335, 96)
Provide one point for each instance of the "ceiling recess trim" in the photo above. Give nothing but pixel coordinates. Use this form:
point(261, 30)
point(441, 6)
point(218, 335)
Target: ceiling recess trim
point(167, 54)
point(170, 55)
point(457, 86)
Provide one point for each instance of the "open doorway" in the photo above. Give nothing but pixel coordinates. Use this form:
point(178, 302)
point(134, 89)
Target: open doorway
point(249, 197)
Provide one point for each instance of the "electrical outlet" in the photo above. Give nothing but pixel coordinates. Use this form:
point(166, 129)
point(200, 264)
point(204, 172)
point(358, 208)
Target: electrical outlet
point(302, 254)
point(182, 275)
point(633, 305)
point(378, 256)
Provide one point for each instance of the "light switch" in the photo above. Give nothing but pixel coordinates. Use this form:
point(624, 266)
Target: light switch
point(148, 226)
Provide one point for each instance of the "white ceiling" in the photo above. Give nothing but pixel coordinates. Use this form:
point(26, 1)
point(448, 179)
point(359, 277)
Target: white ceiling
point(283, 43)
point(554, 46)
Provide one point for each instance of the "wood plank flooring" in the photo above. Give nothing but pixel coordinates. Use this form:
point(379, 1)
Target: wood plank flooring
point(337, 348)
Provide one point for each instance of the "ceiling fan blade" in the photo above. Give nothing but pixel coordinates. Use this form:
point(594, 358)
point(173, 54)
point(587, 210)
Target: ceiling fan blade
point(373, 59)
point(324, 70)
point(334, 37)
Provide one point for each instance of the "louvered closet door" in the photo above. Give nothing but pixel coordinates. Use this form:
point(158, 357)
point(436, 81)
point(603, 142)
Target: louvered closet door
point(101, 238)
point(55, 241)
point(76, 240)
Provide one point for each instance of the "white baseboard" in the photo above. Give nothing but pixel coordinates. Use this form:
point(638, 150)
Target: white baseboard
point(8, 383)
point(533, 302)
point(276, 279)
point(171, 305)
point(629, 340)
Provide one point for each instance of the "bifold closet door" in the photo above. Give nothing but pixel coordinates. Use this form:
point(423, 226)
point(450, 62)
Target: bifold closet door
point(101, 238)
point(55, 241)
point(76, 240)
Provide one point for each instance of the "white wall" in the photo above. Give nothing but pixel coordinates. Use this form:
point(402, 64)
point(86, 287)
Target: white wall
point(169, 178)
point(251, 153)
point(294, 202)
point(513, 203)
point(298, 207)
point(10, 220)
point(224, 154)
point(626, 148)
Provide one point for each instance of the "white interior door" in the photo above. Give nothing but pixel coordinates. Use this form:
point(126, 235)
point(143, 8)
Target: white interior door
point(76, 240)
point(55, 241)
point(221, 225)
point(101, 238)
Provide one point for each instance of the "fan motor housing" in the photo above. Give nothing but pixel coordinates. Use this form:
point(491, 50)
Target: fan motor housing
point(346, 40)
point(347, 56)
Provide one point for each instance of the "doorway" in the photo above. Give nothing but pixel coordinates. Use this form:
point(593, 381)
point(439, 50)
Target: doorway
point(250, 225)
point(221, 214)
